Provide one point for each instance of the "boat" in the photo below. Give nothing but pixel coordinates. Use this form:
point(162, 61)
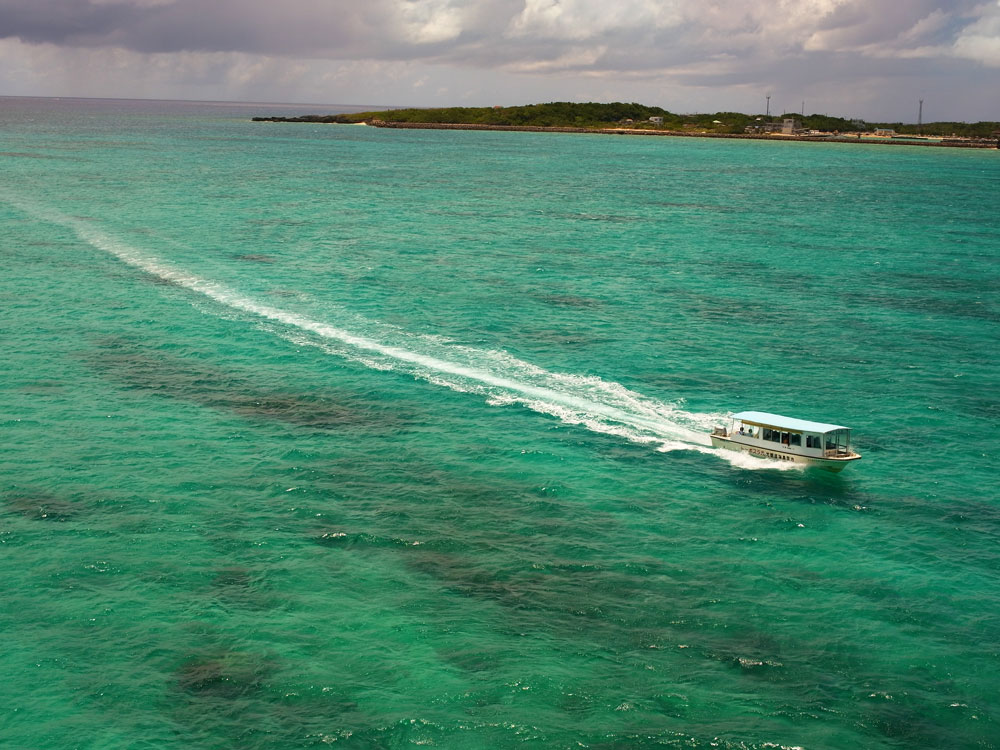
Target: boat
point(825, 446)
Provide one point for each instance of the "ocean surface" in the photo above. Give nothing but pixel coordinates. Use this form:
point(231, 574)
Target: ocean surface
point(339, 436)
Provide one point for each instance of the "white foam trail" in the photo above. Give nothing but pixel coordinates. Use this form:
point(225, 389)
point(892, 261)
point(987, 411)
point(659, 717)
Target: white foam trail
point(598, 405)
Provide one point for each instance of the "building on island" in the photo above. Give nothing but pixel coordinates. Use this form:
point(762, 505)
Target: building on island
point(656, 120)
point(788, 126)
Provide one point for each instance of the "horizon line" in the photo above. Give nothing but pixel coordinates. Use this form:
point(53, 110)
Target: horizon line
point(383, 107)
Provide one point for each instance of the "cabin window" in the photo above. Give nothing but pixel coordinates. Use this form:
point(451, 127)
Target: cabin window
point(838, 440)
point(796, 439)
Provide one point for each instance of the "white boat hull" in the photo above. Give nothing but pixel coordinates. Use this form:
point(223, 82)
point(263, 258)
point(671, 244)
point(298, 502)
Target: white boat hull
point(832, 463)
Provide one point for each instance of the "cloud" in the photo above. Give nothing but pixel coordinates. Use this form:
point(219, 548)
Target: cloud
point(980, 41)
point(582, 19)
point(429, 22)
point(493, 30)
point(663, 46)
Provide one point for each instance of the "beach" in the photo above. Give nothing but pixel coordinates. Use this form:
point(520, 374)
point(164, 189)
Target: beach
point(858, 139)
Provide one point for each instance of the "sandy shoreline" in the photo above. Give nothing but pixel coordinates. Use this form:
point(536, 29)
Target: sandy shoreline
point(989, 144)
point(866, 141)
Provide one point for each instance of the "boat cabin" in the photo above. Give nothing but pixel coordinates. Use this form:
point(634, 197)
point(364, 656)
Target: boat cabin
point(770, 435)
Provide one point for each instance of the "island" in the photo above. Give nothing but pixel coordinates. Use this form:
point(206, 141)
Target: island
point(636, 119)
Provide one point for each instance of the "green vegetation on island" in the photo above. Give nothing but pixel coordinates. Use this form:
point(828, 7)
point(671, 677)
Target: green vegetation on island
point(637, 116)
point(553, 114)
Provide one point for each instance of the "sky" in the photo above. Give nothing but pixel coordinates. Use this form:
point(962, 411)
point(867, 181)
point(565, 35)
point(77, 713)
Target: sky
point(872, 59)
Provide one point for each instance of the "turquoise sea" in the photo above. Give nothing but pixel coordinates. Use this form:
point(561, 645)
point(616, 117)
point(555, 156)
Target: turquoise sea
point(341, 436)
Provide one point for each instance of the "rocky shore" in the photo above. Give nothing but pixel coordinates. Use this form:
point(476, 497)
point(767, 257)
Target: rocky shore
point(883, 141)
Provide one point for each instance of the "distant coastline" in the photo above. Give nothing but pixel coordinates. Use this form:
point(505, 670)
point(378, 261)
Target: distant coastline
point(854, 138)
point(632, 118)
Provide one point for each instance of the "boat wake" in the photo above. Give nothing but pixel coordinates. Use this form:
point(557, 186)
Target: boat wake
point(501, 379)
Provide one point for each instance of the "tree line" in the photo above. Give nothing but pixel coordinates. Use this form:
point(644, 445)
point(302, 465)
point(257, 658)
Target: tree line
point(633, 115)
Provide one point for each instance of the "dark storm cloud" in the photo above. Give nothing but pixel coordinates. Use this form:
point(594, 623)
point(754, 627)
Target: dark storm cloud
point(252, 26)
point(62, 21)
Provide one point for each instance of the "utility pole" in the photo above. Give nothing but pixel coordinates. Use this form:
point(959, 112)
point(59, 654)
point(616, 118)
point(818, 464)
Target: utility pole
point(768, 113)
point(803, 107)
point(920, 118)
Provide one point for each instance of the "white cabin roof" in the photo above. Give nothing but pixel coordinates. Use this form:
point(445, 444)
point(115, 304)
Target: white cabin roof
point(764, 419)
